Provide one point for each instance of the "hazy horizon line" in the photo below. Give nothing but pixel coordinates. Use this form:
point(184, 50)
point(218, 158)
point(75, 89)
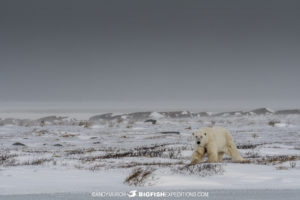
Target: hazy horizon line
point(137, 106)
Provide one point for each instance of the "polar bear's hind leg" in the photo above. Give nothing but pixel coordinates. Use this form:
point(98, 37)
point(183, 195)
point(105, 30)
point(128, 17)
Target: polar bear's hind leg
point(231, 149)
point(234, 153)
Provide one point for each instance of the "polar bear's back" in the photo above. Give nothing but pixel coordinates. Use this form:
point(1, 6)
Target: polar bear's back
point(221, 136)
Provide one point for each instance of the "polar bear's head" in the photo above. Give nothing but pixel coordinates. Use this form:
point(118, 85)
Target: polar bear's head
point(201, 137)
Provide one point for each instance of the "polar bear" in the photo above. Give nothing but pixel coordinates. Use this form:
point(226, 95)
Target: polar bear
point(215, 142)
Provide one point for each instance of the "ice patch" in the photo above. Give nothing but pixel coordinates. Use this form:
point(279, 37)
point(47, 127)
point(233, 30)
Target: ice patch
point(280, 125)
point(156, 115)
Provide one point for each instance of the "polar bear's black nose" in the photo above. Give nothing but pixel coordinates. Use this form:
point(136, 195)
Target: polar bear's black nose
point(198, 142)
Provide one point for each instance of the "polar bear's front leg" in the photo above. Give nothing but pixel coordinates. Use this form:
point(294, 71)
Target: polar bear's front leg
point(197, 156)
point(220, 156)
point(212, 153)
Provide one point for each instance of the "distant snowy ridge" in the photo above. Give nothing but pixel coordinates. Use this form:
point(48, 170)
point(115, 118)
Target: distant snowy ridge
point(140, 116)
point(188, 114)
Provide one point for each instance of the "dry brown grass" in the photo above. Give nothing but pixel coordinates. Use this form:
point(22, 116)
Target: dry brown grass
point(75, 151)
point(133, 164)
point(150, 152)
point(42, 132)
point(273, 160)
point(203, 169)
point(36, 161)
point(125, 154)
point(144, 151)
point(68, 135)
point(251, 154)
point(248, 146)
point(80, 151)
point(139, 176)
point(160, 164)
point(7, 159)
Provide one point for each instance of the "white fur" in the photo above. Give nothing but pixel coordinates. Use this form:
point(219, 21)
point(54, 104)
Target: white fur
point(214, 142)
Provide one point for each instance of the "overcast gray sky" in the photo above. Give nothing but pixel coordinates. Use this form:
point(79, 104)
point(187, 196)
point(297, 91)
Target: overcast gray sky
point(190, 53)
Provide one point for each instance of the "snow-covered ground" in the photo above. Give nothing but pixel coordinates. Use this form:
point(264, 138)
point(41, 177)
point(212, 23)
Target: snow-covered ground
point(73, 153)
